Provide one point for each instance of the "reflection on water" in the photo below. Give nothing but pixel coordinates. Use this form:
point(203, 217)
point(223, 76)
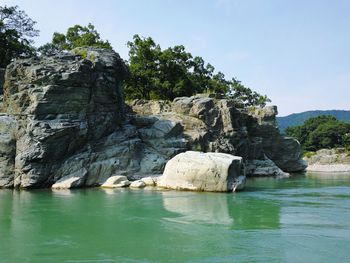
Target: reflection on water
point(210, 208)
point(305, 218)
point(233, 210)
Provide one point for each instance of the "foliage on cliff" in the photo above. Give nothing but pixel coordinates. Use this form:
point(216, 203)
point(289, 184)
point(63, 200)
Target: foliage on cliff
point(153, 73)
point(76, 36)
point(321, 132)
point(174, 72)
point(16, 33)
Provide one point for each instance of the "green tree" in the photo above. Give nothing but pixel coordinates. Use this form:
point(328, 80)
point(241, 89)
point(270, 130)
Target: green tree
point(143, 68)
point(321, 132)
point(246, 95)
point(174, 72)
point(76, 36)
point(16, 33)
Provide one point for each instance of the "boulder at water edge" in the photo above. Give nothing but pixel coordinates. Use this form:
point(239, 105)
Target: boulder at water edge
point(198, 171)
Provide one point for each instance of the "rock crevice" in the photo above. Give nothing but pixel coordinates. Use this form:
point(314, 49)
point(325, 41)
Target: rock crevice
point(64, 123)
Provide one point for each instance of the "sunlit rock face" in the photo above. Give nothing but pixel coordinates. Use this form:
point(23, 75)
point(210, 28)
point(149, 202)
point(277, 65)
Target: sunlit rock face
point(64, 121)
point(217, 125)
point(62, 106)
point(197, 171)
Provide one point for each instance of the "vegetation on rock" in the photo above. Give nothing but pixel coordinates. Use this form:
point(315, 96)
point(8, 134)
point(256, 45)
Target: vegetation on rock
point(321, 132)
point(16, 33)
point(153, 73)
point(76, 36)
point(174, 72)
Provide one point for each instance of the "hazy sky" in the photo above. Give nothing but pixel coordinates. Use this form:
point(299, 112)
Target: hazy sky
point(297, 51)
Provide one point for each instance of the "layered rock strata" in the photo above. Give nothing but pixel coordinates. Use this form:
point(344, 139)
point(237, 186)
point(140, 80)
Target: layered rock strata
point(64, 123)
point(217, 125)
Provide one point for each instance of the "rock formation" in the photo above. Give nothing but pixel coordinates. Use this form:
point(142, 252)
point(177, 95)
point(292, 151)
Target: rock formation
point(217, 125)
point(64, 112)
point(329, 160)
point(64, 123)
point(2, 79)
point(197, 171)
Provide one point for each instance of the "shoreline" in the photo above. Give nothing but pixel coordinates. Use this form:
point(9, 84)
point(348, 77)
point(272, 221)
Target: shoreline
point(329, 168)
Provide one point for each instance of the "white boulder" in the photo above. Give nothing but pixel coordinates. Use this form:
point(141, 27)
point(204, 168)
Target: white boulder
point(149, 181)
point(67, 183)
point(137, 184)
point(198, 171)
point(116, 181)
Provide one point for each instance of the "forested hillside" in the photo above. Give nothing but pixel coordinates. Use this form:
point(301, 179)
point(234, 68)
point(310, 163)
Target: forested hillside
point(296, 119)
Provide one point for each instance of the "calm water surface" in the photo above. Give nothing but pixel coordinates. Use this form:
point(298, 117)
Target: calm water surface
point(300, 219)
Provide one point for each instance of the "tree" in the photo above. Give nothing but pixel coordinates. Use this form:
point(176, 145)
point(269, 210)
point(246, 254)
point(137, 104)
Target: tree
point(76, 36)
point(245, 95)
point(16, 33)
point(144, 56)
point(174, 72)
point(324, 131)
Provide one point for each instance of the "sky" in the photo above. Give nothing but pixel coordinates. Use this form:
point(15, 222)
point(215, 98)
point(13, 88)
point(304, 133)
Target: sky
point(297, 52)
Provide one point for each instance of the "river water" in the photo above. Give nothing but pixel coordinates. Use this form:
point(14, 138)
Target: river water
point(299, 219)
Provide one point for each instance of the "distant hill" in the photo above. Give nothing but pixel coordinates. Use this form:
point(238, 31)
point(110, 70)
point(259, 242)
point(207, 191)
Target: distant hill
point(296, 119)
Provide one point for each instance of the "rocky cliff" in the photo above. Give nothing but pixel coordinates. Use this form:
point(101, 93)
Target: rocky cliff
point(2, 76)
point(329, 160)
point(63, 120)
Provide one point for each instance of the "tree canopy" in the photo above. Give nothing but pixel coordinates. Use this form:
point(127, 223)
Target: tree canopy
point(321, 132)
point(174, 72)
point(153, 73)
point(16, 33)
point(76, 36)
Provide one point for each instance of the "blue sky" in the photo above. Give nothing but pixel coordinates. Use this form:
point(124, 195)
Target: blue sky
point(297, 51)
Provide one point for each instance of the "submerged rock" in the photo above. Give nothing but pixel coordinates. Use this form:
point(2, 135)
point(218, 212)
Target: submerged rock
point(198, 171)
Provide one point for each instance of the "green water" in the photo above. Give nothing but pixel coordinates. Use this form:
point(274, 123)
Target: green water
point(301, 219)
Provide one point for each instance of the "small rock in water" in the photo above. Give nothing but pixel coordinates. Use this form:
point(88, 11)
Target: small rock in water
point(67, 183)
point(116, 181)
point(149, 181)
point(137, 184)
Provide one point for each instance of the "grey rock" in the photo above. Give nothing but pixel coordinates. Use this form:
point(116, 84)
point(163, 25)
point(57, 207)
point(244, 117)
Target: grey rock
point(239, 183)
point(257, 168)
point(138, 184)
point(64, 122)
point(217, 125)
point(64, 108)
point(329, 156)
point(150, 181)
point(67, 183)
point(7, 150)
point(329, 160)
point(116, 181)
point(2, 79)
